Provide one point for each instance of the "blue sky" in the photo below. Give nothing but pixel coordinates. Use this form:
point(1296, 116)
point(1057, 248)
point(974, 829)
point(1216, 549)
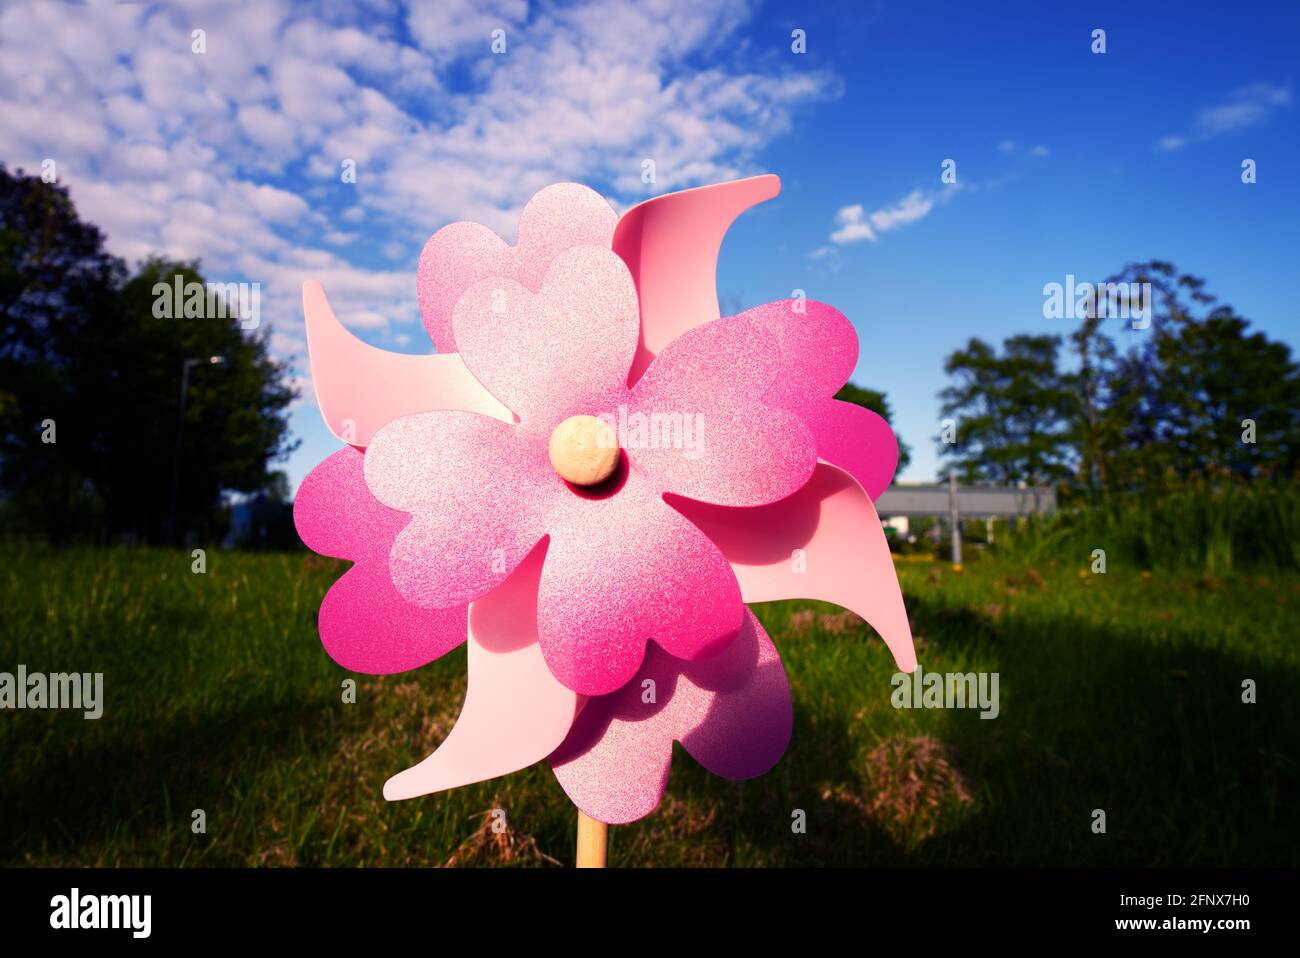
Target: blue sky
point(1067, 161)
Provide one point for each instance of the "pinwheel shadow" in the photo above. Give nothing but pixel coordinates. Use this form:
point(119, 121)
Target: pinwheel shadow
point(1090, 718)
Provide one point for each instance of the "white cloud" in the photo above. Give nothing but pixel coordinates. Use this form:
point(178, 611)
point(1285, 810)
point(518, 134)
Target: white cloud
point(1039, 151)
point(911, 208)
point(855, 225)
point(233, 156)
point(1243, 108)
point(1007, 146)
point(852, 227)
point(448, 27)
point(267, 127)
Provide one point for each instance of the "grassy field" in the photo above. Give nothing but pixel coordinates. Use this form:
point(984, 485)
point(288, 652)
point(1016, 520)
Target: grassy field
point(1119, 692)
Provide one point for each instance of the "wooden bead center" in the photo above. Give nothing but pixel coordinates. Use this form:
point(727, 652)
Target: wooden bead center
point(584, 450)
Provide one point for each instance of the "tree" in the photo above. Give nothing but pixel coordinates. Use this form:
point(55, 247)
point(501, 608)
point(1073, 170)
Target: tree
point(55, 280)
point(1014, 411)
point(1177, 400)
point(875, 401)
point(82, 346)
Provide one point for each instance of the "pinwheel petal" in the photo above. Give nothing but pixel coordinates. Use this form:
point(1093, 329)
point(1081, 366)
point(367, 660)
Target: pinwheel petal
point(459, 255)
point(364, 624)
point(515, 712)
point(697, 424)
point(360, 388)
point(817, 349)
point(824, 542)
point(670, 244)
point(473, 488)
point(857, 440)
point(731, 711)
point(624, 569)
point(559, 351)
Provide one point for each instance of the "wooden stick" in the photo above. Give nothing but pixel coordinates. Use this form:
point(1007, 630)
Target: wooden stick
point(591, 841)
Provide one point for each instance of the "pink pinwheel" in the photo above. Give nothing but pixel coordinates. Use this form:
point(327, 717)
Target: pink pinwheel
point(589, 481)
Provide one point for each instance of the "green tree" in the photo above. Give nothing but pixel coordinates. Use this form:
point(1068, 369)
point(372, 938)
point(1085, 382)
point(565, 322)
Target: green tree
point(83, 347)
point(56, 281)
point(1170, 400)
point(1014, 411)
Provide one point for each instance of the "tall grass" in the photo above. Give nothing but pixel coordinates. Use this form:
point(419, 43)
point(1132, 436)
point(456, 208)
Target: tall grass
point(1202, 524)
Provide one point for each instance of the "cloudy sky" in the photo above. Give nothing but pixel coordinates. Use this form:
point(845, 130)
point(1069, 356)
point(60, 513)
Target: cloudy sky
point(1067, 161)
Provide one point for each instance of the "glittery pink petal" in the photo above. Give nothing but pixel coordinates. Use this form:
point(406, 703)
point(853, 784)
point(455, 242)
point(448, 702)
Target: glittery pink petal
point(515, 712)
point(818, 349)
point(622, 570)
point(458, 256)
point(334, 512)
point(364, 624)
point(470, 484)
point(671, 243)
point(743, 451)
point(731, 711)
point(842, 556)
point(360, 388)
point(543, 354)
point(857, 440)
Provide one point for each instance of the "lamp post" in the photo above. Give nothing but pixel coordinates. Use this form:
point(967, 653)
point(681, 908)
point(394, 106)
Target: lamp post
point(954, 520)
point(172, 525)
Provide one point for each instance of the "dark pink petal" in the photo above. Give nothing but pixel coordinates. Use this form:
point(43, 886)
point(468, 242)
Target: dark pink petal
point(731, 711)
point(707, 386)
point(457, 256)
point(857, 440)
point(364, 624)
point(622, 570)
point(367, 627)
point(473, 488)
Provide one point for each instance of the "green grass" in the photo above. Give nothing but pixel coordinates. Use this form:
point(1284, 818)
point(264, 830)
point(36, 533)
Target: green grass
point(1120, 692)
point(1212, 524)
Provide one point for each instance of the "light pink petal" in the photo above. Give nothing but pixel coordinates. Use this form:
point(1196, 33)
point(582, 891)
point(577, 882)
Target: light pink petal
point(731, 711)
point(471, 485)
point(671, 243)
point(622, 570)
point(515, 712)
point(742, 450)
point(360, 388)
point(558, 351)
point(818, 349)
point(824, 542)
point(364, 624)
point(458, 256)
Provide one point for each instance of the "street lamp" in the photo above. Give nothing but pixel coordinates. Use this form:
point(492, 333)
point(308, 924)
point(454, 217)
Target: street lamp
point(172, 526)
